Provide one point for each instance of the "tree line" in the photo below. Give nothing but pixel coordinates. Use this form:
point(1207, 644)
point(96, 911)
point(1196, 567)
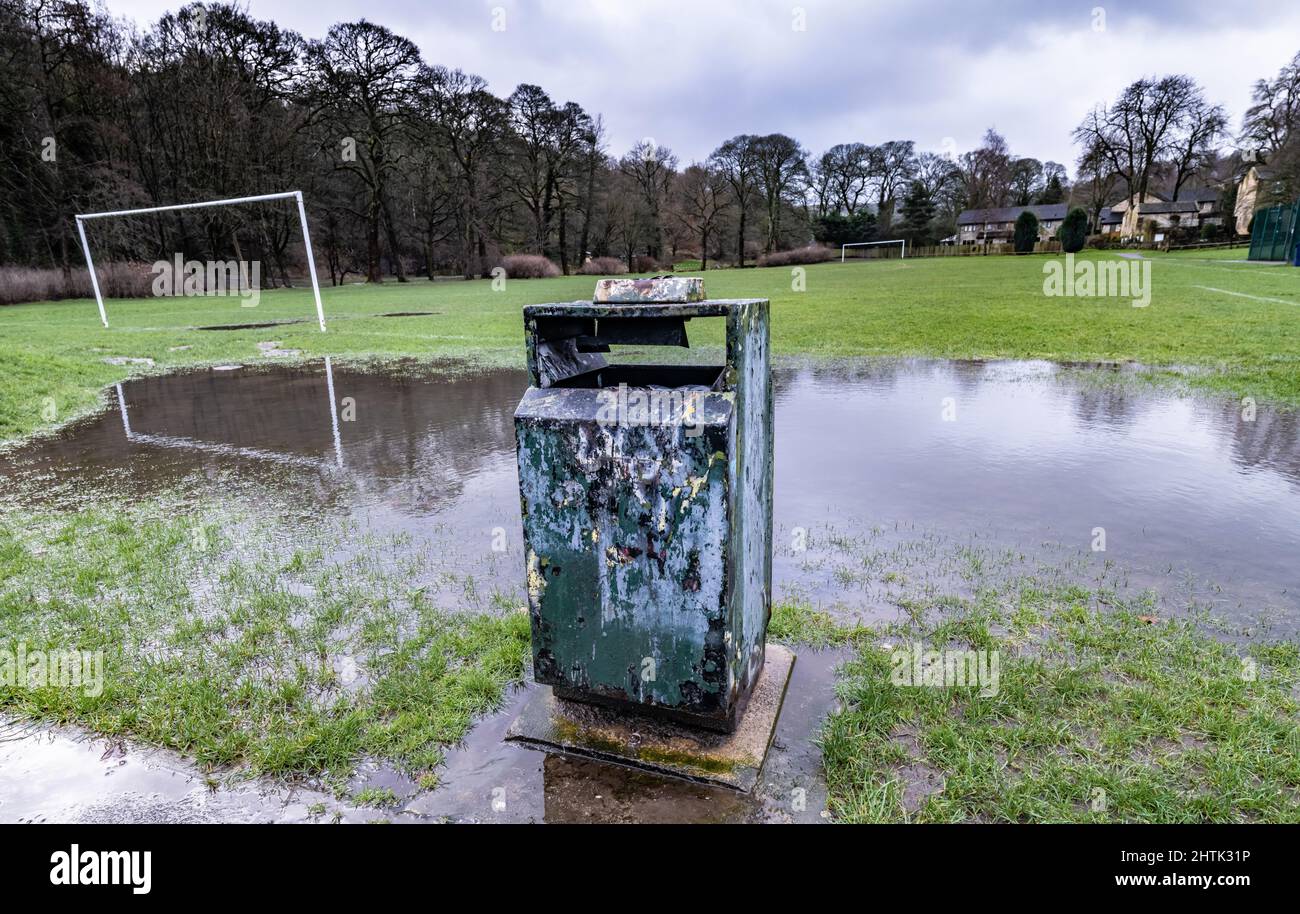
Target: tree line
point(411, 168)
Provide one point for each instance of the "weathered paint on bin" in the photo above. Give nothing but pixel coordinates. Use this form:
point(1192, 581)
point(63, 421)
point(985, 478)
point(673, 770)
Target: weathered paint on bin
point(648, 545)
point(655, 290)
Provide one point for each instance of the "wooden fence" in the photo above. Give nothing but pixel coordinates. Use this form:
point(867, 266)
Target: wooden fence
point(956, 250)
point(1205, 245)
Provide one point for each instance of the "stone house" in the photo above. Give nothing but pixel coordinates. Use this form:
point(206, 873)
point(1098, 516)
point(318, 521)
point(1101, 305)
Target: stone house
point(997, 225)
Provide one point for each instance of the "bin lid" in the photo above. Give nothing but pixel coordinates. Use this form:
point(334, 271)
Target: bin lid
point(653, 290)
point(652, 297)
point(711, 308)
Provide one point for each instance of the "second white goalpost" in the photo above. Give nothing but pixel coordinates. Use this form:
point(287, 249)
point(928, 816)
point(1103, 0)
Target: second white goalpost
point(296, 195)
point(866, 244)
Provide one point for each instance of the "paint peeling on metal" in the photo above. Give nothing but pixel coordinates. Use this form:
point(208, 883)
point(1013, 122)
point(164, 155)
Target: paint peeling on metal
point(654, 290)
point(649, 548)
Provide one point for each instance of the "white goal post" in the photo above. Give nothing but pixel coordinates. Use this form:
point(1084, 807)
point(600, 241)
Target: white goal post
point(82, 218)
point(866, 244)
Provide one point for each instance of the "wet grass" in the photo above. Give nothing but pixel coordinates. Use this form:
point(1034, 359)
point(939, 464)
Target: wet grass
point(983, 307)
point(1103, 711)
point(243, 646)
point(796, 621)
point(228, 643)
point(380, 797)
point(1112, 703)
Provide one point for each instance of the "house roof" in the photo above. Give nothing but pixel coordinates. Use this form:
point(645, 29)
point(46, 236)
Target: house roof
point(1181, 206)
point(1193, 194)
point(1199, 194)
point(1110, 217)
point(1044, 211)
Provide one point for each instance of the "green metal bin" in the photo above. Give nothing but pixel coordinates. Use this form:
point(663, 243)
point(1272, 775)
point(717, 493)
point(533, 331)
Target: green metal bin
point(646, 493)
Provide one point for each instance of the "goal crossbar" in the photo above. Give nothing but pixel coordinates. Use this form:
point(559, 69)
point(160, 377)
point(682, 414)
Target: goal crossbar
point(866, 244)
point(296, 195)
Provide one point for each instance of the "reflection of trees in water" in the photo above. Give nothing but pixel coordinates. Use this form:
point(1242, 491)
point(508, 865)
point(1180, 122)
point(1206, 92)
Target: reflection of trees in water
point(1104, 404)
point(413, 441)
point(957, 376)
point(1272, 440)
point(417, 440)
point(875, 374)
point(968, 375)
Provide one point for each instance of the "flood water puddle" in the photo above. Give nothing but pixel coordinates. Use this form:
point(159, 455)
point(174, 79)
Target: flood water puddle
point(1183, 493)
point(885, 472)
point(61, 775)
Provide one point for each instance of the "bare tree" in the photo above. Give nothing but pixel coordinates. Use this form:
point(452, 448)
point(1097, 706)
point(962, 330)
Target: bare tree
point(986, 172)
point(651, 168)
point(470, 120)
point(737, 161)
point(1026, 180)
point(940, 178)
point(363, 88)
point(53, 67)
point(819, 184)
point(532, 122)
point(431, 177)
point(1194, 150)
point(625, 215)
point(701, 200)
point(892, 167)
point(1274, 114)
point(781, 168)
point(1153, 119)
point(847, 167)
point(1097, 182)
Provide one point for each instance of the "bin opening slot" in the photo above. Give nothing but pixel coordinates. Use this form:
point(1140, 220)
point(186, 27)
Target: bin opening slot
point(571, 346)
point(642, 331)
point(561, 352)
point(672, 377)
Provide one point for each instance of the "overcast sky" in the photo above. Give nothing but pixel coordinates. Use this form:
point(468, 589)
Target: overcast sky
point(690, 73)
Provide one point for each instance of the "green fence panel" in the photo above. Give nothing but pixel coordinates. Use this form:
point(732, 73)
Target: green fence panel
point(1274, 234)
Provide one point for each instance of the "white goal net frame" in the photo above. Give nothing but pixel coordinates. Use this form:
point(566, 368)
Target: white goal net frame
point(866, 244)
point(296, 195)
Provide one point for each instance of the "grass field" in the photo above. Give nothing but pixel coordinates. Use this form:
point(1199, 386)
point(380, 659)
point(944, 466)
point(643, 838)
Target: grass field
point(224, 635)
point(1220, 324)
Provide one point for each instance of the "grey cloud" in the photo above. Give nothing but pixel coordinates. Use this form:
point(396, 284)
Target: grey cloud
point(690, 74)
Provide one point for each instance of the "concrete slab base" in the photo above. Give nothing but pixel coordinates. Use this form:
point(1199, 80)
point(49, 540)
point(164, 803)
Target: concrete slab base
point(638, 741)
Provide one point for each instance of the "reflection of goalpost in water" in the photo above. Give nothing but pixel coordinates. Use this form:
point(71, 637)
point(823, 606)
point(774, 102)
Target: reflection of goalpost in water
point(866, 244)
point(234, 450)
point(82, 218)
